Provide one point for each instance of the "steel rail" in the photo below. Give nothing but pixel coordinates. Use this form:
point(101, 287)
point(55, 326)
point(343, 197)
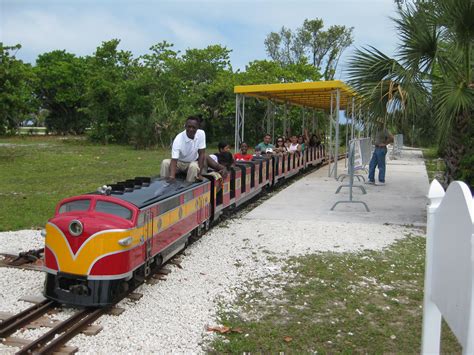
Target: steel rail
point(12, 324)
point(49, 342)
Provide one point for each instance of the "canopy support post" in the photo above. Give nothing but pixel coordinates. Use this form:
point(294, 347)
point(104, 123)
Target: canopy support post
point(303, 116)
point(347, 130)
point(336, 148)
point(267, 116)
point(273, 121)
point(331, 152)
point(239, 121)
point(353, 118)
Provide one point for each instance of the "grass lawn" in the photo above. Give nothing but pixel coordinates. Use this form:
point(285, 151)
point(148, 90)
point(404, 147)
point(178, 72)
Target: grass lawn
point(37, 172)
point(348, 302)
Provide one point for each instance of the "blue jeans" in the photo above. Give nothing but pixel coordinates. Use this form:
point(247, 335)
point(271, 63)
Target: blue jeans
point(378, 159)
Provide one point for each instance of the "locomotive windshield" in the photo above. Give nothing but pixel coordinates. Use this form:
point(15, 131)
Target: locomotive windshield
point(77, 205)
point(114, 209)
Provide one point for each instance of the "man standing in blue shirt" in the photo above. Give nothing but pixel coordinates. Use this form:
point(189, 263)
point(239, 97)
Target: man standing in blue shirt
point(382, 138)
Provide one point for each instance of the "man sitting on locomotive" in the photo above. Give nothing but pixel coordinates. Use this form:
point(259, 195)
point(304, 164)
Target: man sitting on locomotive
point(188, 153)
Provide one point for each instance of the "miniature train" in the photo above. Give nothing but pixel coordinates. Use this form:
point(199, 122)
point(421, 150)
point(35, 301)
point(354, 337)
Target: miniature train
point(100, 245)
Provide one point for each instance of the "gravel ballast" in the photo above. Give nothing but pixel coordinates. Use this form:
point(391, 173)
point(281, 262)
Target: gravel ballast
point(173, 314)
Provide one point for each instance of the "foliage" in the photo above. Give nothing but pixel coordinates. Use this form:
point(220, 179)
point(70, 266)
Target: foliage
point(112, 93)
point(16, 82)
point(60, 89)
point(431, 80)
point(120, 98)
point(207, 77)
point(322, 49)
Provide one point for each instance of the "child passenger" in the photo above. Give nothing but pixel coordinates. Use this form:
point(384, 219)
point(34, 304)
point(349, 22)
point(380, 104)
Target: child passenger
point(243, 155)
point(224, 156)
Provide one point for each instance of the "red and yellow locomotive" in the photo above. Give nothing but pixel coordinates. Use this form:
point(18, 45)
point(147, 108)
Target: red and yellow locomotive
point(101, 244)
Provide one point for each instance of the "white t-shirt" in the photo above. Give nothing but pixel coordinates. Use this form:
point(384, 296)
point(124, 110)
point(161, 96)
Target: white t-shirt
point(186, 149)
point(293, 147)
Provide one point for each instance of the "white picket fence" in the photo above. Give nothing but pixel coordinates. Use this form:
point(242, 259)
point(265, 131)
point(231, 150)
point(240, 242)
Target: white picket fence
point(449, 270)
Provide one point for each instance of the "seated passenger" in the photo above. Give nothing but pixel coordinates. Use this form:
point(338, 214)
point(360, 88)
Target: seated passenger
point(188, 153)
point(266, 145)
point(243, 155)
point(314, 141)
point(280, 147)
point(212, 162)
point(224, 156)
point(301, 142)
point(258, 152)
point(294, 146)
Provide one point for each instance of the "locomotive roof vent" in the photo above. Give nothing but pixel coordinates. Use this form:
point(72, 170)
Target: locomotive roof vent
point(121, 187)
point(144, 181)
point(117, 189)
point(128, 186)
point(136, 184)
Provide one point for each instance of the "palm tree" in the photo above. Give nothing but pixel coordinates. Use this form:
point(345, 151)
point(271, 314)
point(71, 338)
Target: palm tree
point(432, 76)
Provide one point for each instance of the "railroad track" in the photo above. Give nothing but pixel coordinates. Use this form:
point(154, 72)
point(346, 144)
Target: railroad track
point(55, 338)
point(61, 332)
point(30, 260)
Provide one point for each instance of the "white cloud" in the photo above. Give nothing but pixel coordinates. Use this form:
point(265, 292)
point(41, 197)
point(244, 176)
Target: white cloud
point(192, 35)
point(40, 31)
point(80, 26)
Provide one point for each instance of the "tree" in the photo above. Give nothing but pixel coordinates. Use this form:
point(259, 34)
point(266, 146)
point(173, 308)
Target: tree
point(17, 81)
point(206, 75)
point(321, 48)
point(432, 77)
point(60, 90)
point(116, 90)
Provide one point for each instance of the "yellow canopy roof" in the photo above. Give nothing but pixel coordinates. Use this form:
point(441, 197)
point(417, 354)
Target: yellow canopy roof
point(308, 94)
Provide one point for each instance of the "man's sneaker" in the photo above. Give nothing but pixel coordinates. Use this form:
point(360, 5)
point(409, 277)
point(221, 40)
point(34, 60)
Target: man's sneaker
point(369, 182)
point(380, 183)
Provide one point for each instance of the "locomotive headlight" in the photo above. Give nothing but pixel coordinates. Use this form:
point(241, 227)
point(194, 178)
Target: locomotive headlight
point(76, 228)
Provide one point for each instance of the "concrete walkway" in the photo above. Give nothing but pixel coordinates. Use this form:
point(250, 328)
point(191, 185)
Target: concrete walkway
point(401, 201)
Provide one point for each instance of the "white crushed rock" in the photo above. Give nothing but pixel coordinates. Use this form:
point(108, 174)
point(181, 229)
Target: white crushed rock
point(16, 283)
point(24, 240)
point(173, 314)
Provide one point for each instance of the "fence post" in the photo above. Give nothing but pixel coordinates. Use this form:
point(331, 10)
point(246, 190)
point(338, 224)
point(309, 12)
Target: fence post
point(431, 333)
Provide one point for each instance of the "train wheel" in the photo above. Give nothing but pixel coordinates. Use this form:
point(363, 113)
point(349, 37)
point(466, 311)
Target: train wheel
point(157, 263)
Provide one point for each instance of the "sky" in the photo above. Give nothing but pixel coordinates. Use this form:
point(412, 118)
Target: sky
point(79, 26)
